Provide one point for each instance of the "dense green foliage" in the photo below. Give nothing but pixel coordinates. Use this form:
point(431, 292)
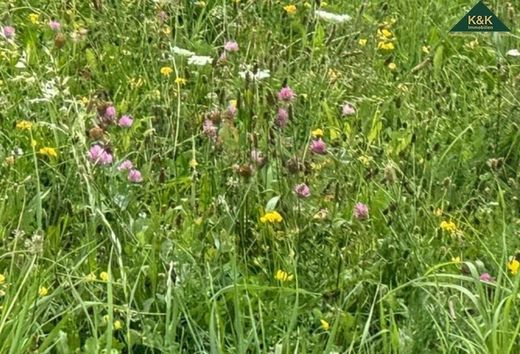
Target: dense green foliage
point(206, 246)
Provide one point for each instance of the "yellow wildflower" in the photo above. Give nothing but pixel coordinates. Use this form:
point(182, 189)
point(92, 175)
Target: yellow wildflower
point(2, 279)
point(384, 34)
point(24, 125)
point(167, 30)
point(233, 103)
point(321, 214)
point(117, 325)
point(166, 70)
point(425, 49)
point(386, 45)
point(513, 266)
point(363, 42)
point(473, 44)
point(392, 66)
point(438, 212)
point(317, 133)
point(271, 217)
point(290, 9)
point(449, 226)
point(193, 163)
point(325, 325)
point(333, 74)
point(283, 276)
point(43, 291)
point(34, 18)
point(48, 151)
point(104, 276)
point(136, 82)
point(180, 81)
point(456, 260)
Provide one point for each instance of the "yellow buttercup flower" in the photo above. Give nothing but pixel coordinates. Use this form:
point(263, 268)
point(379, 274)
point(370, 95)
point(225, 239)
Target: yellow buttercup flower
point(513, 266)
point(24, 125)
point(48, 151)
point(290, 9)
point(283, 276)
point(363, 42)
point(43, 291)
point(2, 279)
point(386, 45)
point(324, 325)
point(166, 70)
point(34, 18)
point(104, 276)
point(271, 217)
point(449, 226)
point(317, 133)
point(180, 81)
point(392, 66)
point(384, 34)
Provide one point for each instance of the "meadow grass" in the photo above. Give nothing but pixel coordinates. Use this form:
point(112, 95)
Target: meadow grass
point(377, 211)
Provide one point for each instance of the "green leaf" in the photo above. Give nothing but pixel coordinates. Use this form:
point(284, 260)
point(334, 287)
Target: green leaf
point(437, 61)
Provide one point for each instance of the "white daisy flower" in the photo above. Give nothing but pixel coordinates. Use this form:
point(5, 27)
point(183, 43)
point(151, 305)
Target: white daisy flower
point(332, 18)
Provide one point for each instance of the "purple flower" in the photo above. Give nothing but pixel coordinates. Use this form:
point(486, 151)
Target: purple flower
point(135, 176)
point(348, 109)
point(54, 25)
point(126, 121)
point(361, 211)
point(318, 147)
point(110, 113)
point(486, 277)
point(209, 129)
point(231, 46)
point(302, 190)
point(8, 32)
point(125, 165)
point(282, 117)
point(286, 94)
point(99, 155)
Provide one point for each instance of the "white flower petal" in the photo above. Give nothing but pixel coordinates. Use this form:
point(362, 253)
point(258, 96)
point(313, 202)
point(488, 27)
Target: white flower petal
point(513, 53)
point(183, 52)
point(260, 74)
point(332, 18)
point(200, 60)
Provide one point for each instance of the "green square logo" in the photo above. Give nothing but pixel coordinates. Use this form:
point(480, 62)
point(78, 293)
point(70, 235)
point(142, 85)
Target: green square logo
point(480, 19)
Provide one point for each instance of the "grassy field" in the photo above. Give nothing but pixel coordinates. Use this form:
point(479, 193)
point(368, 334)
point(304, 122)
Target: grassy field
point(258, 176)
